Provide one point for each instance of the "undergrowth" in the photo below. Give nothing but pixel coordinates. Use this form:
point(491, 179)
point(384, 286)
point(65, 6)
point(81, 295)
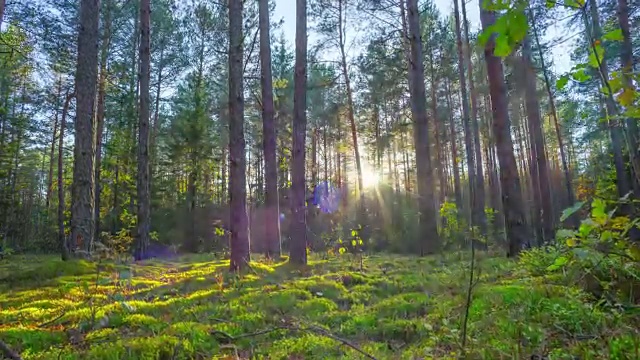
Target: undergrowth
point(393, 308)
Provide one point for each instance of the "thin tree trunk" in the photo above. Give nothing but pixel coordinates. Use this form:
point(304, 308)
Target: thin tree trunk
point(457, 188)
point(516, 227)
point(144, 194)
point(239, 222)
point(272, 215)
point(82, 189)
point(53, 146)
point(64, 246)
point(429, 239)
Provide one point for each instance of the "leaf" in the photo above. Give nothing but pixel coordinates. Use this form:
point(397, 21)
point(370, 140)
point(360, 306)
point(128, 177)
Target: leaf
point(353, 243)
point(634, 252)
point(565, 234)
point(595, 58)
point(342, 250)
point(550, 4)
point(561, 261)
point(562, 82)
point(127, 307)
point(354, 233)
point(570, 211)
point(502, 46)
point(627, 97)
point(606, 235)
point(614, 35)
point(581, 75)
point(571, 242)
point(598, 211)
point(586, 226)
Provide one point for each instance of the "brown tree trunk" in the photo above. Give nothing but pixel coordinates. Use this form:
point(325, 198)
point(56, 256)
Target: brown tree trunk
point(298, 225)
point(429, 240)
point(537, 142)
point(516, 227)
point(479, 193)
point(144, 193)
point(272, 215)
point(104, 54)
point(53, 146)
point(2, 6)
point(82, 189)
point(239, 222)
point(63, 124)
point(457, 188)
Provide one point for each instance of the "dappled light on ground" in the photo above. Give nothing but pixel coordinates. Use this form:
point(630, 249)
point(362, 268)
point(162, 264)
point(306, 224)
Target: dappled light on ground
point(396, 308)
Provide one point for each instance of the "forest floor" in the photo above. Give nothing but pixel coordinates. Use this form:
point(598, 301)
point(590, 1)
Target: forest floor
point(393, 308)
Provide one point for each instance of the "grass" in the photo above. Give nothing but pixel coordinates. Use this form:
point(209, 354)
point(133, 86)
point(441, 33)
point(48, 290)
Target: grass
point(396, 308)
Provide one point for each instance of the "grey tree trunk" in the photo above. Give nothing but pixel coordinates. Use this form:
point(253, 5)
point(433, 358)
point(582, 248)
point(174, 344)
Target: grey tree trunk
point(429, 240)
point(298, 225)
point(517, 231)
point(144, 193)
point(82, 189)
point(64, 245)
point(272, 214)
point(239, 225)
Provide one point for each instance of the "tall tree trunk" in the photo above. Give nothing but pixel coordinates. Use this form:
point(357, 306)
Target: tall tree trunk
point(554, 114)
point(457, 188)
point(342, 19)
point(104, 54)
point(64, 246)
point(239, 222)
point(516, 227)
point(144, 193)
point(82, 189)
point(53, 145)
point(537, 141)
point(2, 7)
point(476, 213)
point(479, 193)
point(272, 215)
point(429, 241)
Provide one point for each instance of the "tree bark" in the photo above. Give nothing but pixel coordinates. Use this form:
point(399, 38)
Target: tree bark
point(516, 227)
point(53, 146)
point(64, 246)
point(537, 142)
point(429, 239)
point(104, 54)
point(298, 226)
point(144, 193)
point(457, 188)
point(82, 189)
point(272, 215)
point(239, 222)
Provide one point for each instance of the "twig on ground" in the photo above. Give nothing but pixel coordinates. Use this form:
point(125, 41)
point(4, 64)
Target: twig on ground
point(346, 342)
point(7, 353)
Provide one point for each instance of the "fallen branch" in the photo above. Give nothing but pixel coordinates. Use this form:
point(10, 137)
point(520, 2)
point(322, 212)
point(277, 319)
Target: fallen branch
point(346, 342)
point(7, 353)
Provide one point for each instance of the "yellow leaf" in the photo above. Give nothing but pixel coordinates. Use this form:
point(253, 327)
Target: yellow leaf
point(571, 242)
point(626, 97)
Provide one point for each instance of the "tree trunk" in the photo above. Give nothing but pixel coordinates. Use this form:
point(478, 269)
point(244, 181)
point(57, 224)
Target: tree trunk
point(82, 189)
point(454, 152)
point(239, 222)
point(516, 227)
point(537, 142)
point(104, 54)
point(429, 241)
point(64, 245)
point(144, 194)
point(272, 215)
point(298, 226)
point(476, 214)
point(479, 193)
point(53, 146)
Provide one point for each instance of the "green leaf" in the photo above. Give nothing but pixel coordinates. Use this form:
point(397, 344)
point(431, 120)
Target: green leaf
point(354, 233)
point(581, 75)
point(562, 82)
point(502, 46)
point(606, 235)
point(565, 234)
point(353, 243)
point(550, 4)
point(594, 60)
point(561, 261)
point(571, 242)
point(342, 250)
point(598, 211)
point(570, 211)
point(614, 35)
point(586, 226)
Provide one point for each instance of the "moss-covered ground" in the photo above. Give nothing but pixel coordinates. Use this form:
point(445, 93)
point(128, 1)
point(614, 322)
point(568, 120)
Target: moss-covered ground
point(393, 308)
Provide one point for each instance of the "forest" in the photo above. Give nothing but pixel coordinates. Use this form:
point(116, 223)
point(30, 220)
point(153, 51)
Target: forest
point(360, 179)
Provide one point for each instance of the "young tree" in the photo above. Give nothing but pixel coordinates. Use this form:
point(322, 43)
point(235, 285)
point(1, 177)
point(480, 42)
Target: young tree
point(272, 199)
point(239, 225)
point(516, 227)
point(82, 189)
point(298, 227)
point(144, 200)
point(428, 235)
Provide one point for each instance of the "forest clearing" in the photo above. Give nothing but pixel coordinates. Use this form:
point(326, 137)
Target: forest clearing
point(393, 308)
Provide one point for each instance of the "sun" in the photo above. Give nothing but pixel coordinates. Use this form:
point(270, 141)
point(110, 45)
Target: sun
point(370, 177)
